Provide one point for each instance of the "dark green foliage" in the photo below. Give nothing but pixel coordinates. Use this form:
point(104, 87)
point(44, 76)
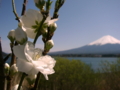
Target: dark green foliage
point(69, 75)
point(76, 75)
point(111, 75)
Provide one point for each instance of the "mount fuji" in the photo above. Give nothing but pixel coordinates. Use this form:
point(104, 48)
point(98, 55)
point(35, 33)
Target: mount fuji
point(105, 45)
point(105, 40)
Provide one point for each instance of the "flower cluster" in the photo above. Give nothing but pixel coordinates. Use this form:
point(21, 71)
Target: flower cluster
point(30, 60)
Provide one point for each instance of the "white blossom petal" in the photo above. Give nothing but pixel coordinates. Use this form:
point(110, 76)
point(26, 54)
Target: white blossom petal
point(20, 35)
point(46, 76)
point(30, 16)
point(30, 32)
point(49, 60)
point(29, 20)
point(31, 52)
point(52, 21)
point(26, 67)
point(19, 51)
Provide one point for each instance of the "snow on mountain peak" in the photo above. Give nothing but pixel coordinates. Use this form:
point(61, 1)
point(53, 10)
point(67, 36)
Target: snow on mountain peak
point(105, 40)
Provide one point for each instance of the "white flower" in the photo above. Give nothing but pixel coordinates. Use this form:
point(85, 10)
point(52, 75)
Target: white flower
point(33, 18)
point(20, 35)
point(30, 61)
point(11, 35)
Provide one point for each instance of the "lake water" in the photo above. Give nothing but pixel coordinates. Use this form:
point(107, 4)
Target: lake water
point(95, 62)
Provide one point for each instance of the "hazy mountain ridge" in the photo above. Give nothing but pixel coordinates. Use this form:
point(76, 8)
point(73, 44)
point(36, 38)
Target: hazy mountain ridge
point(104, 45)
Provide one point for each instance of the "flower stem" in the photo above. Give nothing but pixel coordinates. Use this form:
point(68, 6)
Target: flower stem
point(13, 60)
point(22, 78)
point(9, 81)
point(34, 42)
point(37, 81)
point(37, 35)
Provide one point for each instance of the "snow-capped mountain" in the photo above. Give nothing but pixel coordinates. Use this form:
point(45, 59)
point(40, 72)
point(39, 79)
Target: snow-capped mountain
point(105, 40)
point(105, 45)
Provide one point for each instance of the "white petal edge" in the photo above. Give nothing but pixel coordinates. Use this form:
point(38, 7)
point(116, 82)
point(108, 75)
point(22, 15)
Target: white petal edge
point(19, 51)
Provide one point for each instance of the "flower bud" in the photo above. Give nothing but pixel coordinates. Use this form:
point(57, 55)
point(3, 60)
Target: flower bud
point(49, 44)
point(48, 5)
point(6, 68)
point(13, 69)
point(40, 4)
point(53, 27)
point(45, 33)
point(44, 29)
point(20, 35)
point(11, 35)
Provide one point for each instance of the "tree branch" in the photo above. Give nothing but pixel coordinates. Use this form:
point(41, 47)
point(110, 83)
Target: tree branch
point(24, 7)
point(2, 76)
point(14, 11)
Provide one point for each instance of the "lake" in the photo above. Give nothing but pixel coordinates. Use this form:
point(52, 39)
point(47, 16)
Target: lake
point(95, 62)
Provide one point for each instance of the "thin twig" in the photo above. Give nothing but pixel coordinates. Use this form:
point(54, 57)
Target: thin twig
point(36, 37)
point(22, 13)
point(14, 11)
point(22, 78)
point(24, 7)
point(36, 81)
point(13, 58)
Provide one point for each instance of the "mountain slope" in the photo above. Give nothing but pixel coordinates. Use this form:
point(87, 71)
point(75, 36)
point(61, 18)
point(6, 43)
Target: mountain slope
point(105, 40)
point(104, 45)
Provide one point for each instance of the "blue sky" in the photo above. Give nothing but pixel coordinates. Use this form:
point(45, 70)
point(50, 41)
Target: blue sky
point(80, 22)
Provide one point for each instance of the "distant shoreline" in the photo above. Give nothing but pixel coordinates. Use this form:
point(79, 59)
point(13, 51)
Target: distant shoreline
point(86, 55)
